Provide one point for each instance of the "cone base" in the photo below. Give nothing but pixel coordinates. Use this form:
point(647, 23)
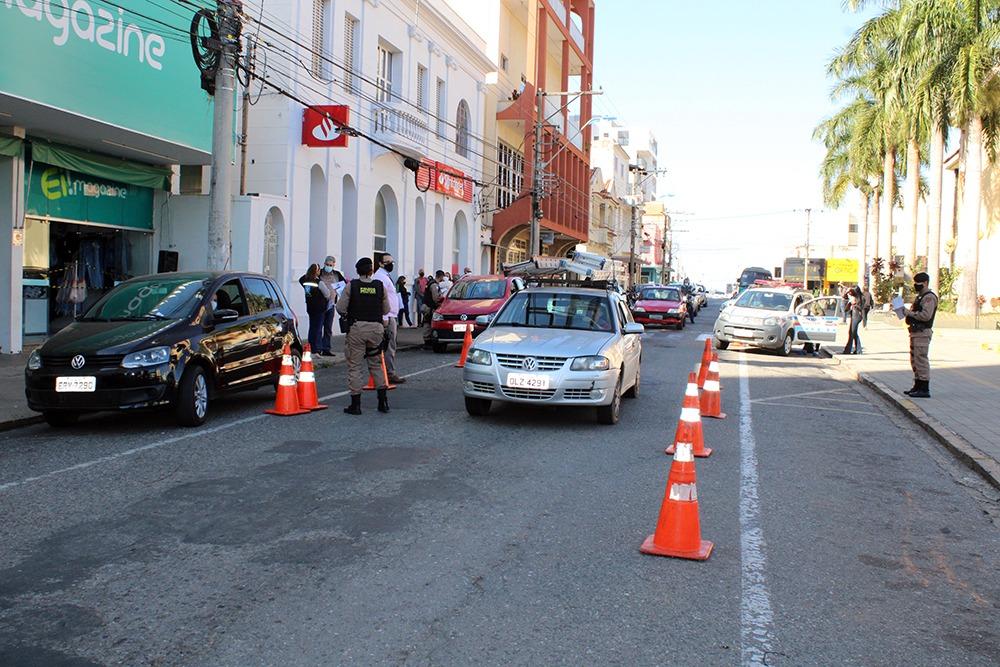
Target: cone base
point(703, 454)
point(703, 551)
point(281, 413)
point(313, 408)
point(459, 365)
point(721, 415)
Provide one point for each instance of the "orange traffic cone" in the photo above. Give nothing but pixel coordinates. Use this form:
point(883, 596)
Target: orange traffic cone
point(385, 375)
point(706, 359)
point(678, 529)
point(466, 344)
point(286, 401)
point(711, 396)
point(689, 427)
point(307, 394)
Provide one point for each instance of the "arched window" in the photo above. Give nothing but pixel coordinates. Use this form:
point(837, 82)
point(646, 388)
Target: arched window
point(380, 223)
point(462, 129)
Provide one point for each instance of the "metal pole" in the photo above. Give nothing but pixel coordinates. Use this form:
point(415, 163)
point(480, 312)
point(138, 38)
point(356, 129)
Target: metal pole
point(805, 266)
point(219, 228)
point(536, 178)
point(244, 120)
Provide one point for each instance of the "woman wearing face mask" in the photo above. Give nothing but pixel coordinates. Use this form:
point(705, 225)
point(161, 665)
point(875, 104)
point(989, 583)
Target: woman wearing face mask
point(404, 297)
point(854, 310)
point(317, 297)
point(334, 281)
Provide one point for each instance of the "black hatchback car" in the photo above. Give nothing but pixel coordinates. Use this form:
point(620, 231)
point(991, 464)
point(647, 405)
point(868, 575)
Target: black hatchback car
point(174, 339)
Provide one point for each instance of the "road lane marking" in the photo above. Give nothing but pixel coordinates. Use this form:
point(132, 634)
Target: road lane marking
point(169, 441)
point(802, 393)
point(756, 618)
point(825, 408)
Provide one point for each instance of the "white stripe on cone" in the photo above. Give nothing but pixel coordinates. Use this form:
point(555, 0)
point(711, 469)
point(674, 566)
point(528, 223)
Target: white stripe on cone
point(682, 452)
point(684, 492)
point(306, 376)
point(307, 357)
point(286, 360)
point(711, 385)
point(713, 367)
point(690, 415)
point(286, 381)
point(692, 390)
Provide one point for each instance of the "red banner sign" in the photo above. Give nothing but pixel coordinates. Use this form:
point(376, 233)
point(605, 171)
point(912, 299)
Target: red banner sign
point(321, 126)
point(447, 180)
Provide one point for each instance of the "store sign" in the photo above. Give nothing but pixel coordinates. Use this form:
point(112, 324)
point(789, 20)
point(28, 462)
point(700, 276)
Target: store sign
point(321, 126)
point(447, 180)
point(842, 270)
point(102, 60)
point(54, 192)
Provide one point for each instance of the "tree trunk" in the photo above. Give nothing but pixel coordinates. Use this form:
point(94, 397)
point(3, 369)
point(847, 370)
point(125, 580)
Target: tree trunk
point(935, 188)
point(967, 251)
point(912, 195)
point(876, 221)
point(888, 202)
point(863, 239)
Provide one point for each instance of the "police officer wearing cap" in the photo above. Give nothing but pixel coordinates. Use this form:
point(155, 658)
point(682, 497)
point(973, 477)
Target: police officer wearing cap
point(920, 322)
point(364, 304)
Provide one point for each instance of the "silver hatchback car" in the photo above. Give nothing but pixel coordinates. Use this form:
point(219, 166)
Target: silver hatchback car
point(556, 346)
point(777, 318)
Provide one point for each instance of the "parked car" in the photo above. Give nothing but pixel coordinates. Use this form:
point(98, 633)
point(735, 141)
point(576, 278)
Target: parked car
point(556, 346)
point(158, 341)
point(777, 318)
point(469, 298)
point(660, 306)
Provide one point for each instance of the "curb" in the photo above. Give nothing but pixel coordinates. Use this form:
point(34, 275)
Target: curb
point(962, 449)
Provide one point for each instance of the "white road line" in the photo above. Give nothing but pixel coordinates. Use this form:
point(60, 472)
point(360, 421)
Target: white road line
point(703, 337)
point(170, 441)
point(802, 393)
point(756, 618)
point(824, 408)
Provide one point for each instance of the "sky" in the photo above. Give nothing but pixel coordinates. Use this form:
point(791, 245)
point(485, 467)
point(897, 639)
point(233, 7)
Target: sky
point(732, 90)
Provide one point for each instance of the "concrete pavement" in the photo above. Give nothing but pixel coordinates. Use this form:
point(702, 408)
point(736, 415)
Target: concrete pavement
point(963, 412)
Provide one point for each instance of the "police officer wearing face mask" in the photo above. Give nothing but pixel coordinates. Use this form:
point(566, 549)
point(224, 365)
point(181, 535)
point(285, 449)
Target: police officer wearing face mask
point(920, 322)
point(364, 304)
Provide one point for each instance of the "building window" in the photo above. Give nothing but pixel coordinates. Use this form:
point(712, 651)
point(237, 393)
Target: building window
point(504, 62)
point(462, 129)
point(510, 174)
point(517, 251)
point(321, 39)
point(383, 74)
point(422, 87)
point(439, 107)
point(852, 228)
point(379, 243)
point(350, 52)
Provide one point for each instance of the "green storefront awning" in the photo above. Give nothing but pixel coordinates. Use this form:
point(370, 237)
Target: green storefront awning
point(11, 146)
point(100, 166)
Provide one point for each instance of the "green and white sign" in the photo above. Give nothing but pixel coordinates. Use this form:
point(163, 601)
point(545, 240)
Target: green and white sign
point(54, 192)
point(126, 63)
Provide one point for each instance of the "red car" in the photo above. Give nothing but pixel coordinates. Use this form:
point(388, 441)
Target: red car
point(469, 298)
point(662, 306)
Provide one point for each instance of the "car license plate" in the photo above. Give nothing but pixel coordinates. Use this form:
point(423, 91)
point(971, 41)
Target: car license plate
point(743, 333)
point(460, 328)
point(76, 384)
point(527, 381)
point(656, 317)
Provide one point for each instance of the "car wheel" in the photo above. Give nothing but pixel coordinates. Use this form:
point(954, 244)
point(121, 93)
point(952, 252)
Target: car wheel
point(60, 418)
point(440, 348)
point(608, 414)
point(721, 344)
point(191, 404)
point(633, 391)
point(786, 345)
point(478, 407)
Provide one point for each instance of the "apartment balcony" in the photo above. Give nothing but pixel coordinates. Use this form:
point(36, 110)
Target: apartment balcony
point(395, 124)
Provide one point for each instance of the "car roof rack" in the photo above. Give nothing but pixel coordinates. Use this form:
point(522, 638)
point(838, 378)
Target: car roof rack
point(554, 281)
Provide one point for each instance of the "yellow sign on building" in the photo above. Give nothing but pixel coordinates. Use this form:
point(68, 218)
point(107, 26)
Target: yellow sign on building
point(842, 270)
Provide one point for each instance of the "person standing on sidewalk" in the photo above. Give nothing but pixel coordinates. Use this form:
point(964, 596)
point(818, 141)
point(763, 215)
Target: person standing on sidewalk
point(317, 298)
point(867, 302)
point(920, 322)
point(855, 310)
point(333, 279)
point(419, 287)
point(382, 275)
point(432, 299)
point(365, 305)
point(404, 298)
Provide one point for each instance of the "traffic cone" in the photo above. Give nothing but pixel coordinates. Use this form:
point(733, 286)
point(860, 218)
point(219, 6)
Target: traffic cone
point(678, 529)
point(286, 401)
point(711, 395)
point(706, 359)
point(466, 344)
point(689, 427)
point(307, 394)
point(385, 374)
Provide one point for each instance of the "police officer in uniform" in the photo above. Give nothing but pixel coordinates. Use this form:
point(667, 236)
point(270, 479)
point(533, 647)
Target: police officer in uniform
point(920, 322)
point(364, 304)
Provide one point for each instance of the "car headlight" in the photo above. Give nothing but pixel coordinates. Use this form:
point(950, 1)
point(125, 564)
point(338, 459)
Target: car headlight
point(437, 317)
point(480, 357)
point(638, 309)
point(590, 364)
point(34, 360)
point(771, 321)
point(674, 311)
point(151, 357)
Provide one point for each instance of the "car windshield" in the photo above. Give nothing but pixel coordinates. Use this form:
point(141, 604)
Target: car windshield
point(150, 299)
point(764, 300)
point(660, 294)
point(478, 289)
point(557, 311)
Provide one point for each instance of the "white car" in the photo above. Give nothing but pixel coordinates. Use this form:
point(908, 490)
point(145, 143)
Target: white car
point(556, 346)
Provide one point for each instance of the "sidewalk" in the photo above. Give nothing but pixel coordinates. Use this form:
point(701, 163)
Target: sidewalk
point(14, 410)
point(963, 412)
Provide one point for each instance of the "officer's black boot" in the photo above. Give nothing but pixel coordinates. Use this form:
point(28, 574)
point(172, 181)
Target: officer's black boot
point(916, 383)
point(383, 401)
point(923, 390)
point(355, 407)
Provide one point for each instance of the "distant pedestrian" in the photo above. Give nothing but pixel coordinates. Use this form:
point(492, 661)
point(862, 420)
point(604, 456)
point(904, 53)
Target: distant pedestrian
point(317, 298)
point(855, 310)
point(364, 305)
point(404, 298)
point(445, 284)
point(466, 271)
point(867, 303)
point(334, 281)
point(419, 287)
point(432, 299)
point(920, 322)
point(387, 265)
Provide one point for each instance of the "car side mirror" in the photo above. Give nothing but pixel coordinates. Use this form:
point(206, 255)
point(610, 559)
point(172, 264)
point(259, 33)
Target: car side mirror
point(634, 328)
point(224, 315)
point(804, 312)
point(484, 320)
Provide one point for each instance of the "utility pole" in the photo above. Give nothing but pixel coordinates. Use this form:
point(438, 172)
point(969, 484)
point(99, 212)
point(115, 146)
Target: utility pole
point(805, 266)
point(245, 119)
point(221, 200)
point(534, 242)
point(637, 170)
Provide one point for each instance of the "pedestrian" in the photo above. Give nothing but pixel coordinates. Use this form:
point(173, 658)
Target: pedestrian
point(382, 275)
point(867, 302)
point(844, 296)
point(920, 322)
point(466, 271)
point(317, 297)
point(419, 287)
point(445, 284)
point(855, 309)
point(432, 299)
point(404, 297)
point(364, 305)
point(334, 281)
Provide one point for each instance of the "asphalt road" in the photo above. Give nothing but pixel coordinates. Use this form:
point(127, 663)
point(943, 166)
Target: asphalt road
point(426, 537)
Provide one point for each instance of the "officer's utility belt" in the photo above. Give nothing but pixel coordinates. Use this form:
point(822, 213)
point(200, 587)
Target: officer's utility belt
point(917, 327)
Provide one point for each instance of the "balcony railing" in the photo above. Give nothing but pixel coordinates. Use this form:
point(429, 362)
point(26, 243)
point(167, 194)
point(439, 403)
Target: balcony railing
point(397, 127)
